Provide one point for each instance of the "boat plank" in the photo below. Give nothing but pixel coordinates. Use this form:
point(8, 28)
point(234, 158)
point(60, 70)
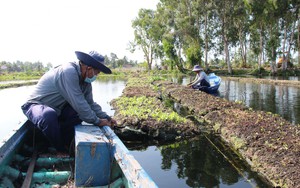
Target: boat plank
point(28, 178)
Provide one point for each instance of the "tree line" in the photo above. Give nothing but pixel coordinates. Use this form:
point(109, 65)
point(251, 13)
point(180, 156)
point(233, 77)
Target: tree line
point(244, 33)
point(111, 61)
point(114, 62)
point(19, 66)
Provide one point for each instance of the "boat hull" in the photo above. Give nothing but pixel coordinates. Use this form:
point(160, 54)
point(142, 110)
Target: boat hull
point(215, 82)
point(119, 168)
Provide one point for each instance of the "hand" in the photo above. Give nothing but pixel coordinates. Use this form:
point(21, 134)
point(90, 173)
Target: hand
point(113, 122)
point(104, 122)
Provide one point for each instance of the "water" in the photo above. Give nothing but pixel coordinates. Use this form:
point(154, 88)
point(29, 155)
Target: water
point(194, 163)
point(278, 99)
point(12, 116)
point(190, 163)
point(12, 99)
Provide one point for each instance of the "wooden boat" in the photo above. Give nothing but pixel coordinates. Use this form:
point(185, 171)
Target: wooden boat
point(100, 160)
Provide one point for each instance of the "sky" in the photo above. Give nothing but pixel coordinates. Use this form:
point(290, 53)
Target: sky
point(52, 30)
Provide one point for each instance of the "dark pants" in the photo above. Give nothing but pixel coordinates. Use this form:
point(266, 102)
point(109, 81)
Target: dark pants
point(203, 84)
point(58, 129)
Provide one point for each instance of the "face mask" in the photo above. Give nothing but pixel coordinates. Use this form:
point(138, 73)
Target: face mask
point(90, 80)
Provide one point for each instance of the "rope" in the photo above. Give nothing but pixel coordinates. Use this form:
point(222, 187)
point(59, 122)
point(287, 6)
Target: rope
point(231, 162)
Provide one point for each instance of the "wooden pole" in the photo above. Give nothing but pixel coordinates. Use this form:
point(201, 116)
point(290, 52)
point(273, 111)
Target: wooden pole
point(28, 178)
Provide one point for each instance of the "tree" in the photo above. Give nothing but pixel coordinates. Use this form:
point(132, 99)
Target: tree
point(258, 22)
point(183, 33)
point(146, 35)
point(113, 60)
point(241, 23)
point(227, 32)
point(289, 14)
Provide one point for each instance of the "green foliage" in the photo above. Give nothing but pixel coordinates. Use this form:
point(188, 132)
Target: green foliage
point(193, 54)
point(20, 76)
point(147, 33)
point(27, 67)
point(115, 62)
point(187, 31)
point(146, 107)
point(170, 52)
point(156, 78)
point(144, 65)
point(258, 71)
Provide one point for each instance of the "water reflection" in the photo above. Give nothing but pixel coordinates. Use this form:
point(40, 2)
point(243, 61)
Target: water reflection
point(282, 100)
point(194, 163)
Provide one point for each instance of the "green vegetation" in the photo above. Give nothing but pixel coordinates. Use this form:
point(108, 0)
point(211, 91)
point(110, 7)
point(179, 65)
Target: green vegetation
point(20, 76)
point(22, 70)
point(144, 108)
point(17, 84)
point(256, 136)
point(224, 34)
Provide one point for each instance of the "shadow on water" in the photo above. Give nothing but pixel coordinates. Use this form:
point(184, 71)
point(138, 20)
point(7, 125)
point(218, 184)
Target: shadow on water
point(194, 163)
point(204, 161)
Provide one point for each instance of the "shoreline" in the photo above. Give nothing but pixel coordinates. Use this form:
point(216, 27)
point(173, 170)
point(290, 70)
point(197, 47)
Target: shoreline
point(291, 83)
point(266, 142)
point(17, 83)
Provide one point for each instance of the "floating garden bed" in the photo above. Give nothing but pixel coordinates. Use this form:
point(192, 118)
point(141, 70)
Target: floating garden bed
point(267, 142)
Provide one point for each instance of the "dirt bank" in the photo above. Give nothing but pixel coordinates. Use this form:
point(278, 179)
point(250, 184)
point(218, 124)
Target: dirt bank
point(269, 143)
point(9, 84)
point(293, 83)
point(266, 141)
point(145, 116)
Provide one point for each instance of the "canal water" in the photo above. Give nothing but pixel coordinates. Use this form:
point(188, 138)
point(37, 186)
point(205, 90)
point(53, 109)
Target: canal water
point(189, 163)
point(278, 99)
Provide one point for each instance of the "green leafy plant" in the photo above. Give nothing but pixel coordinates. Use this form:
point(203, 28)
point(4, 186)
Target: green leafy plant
point(146, 107)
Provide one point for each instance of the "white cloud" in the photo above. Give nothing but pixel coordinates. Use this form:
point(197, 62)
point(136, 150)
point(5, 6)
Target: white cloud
point(51, 30)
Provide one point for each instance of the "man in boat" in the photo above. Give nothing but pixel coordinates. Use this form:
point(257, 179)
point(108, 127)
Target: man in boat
point(201, 80)
point(63, 98)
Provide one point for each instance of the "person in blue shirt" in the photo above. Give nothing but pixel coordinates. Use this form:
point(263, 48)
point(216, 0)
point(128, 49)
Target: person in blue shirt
point(63, 98)
point(201, 80)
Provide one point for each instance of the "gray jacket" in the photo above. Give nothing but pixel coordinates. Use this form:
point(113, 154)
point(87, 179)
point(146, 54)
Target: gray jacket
point(63, 85)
